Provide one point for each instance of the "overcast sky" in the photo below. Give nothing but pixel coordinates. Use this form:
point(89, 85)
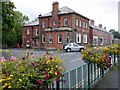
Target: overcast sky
point(104, 12)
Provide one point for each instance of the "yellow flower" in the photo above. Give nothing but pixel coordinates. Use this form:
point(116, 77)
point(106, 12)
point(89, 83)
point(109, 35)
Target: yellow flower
point(9, 86)
point(20, 80)
point(48, 61)
point(7, 50)
point(11, 75)
point(60, 69)
point(0, 50)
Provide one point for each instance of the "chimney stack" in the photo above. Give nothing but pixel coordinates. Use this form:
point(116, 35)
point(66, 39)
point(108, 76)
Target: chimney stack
point(100, 25)
point(92, 22)
point(55, 7)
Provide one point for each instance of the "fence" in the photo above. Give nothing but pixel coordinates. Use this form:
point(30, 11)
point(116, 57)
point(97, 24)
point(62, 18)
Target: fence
point(83, 77)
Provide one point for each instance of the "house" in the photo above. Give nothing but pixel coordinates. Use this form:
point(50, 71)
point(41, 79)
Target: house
point(54, 29)
point(99, 36)
point(63, 25)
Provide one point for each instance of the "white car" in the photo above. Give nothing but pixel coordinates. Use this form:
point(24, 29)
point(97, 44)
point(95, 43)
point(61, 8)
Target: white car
point(73, 47)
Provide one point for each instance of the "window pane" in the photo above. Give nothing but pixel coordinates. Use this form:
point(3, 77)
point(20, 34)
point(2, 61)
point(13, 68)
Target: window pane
point(28, 32)
point(65, 22)
point(59, 38)
point(76, 22)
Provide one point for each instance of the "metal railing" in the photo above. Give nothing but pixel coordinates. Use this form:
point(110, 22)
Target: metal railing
point(83, 77)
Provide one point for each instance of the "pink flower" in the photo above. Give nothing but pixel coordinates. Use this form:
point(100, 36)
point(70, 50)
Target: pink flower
point(13, 58)
point(47, 77)
point(33, 64)
point(46, 72)
point(39, 81)
point(3, 59)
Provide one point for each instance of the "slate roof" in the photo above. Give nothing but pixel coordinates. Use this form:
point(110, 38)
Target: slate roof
point(63, 10)
point(98, 28)
point(32, 23)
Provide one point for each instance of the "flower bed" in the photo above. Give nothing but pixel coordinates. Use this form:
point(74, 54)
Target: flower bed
point(101, 56)
point(30, 74)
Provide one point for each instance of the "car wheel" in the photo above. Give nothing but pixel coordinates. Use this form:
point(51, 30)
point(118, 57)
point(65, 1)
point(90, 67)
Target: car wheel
point(68, 50)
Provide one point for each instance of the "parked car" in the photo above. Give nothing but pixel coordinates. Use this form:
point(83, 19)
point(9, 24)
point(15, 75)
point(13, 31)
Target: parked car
point(73, 47)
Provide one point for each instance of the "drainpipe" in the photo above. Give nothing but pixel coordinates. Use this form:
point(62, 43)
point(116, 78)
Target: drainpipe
point(73, 27)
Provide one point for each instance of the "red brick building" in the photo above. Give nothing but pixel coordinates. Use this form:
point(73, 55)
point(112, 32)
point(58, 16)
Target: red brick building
point(60, 26)
point(99, 36)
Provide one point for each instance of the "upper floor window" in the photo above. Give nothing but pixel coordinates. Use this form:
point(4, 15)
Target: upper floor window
point(76, 22)
point(85, 38)
point(80, 23)
point(36, 32)
point(65, 22)
point(86, 25)
point(43, 24)
point(43, 38)
point(28, 31)
point(83, 24)
point(59, 38)
point(50, 38)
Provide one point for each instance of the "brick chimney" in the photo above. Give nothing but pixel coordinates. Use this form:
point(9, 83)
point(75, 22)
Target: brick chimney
point(92, 22)
point(100, 25)
point(55, 7)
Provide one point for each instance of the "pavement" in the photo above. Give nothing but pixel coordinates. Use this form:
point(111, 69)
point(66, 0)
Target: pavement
point(109, 81)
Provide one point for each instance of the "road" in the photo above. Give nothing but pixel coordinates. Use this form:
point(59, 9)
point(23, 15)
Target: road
point(71, 59)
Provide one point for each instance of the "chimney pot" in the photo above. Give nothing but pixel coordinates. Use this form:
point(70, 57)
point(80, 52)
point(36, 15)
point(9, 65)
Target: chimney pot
point(100, 25)
point(105, 28)
point(92, 22)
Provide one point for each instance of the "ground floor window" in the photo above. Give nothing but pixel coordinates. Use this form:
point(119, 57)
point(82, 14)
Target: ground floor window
point(43, 38)
point(78, 38)
point(85, 38)
point(50, 38)
point(59, 38)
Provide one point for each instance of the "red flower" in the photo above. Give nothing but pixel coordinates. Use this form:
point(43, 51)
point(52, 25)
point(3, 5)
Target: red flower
point(51, 58)
point(47, 77)
point(47, 52)
point(58, 73)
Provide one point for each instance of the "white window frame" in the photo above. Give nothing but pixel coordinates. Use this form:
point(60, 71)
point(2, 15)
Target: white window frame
point(80, 23)
point(50, 38)
point(43, 38)
point(28, 31)
point(43, 24)
point(83, 24)
point(77, 24)
point(85, 38)
point(78, 35)
point(36, 32)
point(65, 20)
point(86, 25)
point(59, 38)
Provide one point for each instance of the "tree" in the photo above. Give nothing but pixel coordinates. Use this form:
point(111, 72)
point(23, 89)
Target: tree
point(19, 20)
point(8, 31)
point(12, 22)
point(115, 33)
